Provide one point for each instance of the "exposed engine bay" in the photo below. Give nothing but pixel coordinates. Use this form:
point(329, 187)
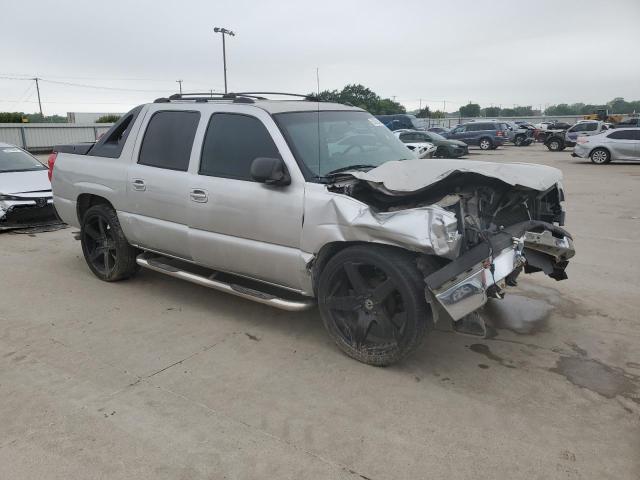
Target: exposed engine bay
point(487, 230)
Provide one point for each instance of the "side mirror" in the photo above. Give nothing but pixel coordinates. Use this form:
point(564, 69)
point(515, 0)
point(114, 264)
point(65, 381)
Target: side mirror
point(271, 171)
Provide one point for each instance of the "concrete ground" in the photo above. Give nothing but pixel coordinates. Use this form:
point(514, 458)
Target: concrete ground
point(154, 378)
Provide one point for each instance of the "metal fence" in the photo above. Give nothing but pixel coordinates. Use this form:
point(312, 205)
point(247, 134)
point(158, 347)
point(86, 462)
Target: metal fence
point(41, 137)
point(452, 121)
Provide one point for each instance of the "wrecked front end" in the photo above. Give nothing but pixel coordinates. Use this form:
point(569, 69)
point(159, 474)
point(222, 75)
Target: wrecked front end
point(487, 223)
point(26, 210)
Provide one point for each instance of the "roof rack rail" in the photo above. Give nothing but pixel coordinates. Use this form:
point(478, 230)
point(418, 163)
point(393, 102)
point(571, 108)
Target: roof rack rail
point(312, 98)
point(241, 97)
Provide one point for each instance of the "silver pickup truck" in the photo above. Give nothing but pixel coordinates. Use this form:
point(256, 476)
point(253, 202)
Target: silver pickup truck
point(296, 202)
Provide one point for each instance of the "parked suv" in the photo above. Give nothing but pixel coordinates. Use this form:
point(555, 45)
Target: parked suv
point(289, 202)
point(486, 135)
point(401, 120)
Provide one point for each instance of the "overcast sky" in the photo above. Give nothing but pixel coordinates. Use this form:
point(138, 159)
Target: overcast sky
point(490, 52)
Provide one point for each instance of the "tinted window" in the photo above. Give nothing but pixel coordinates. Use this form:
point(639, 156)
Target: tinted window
point(168, 140)
point(406, 137)
point(625, 135)
point(110, 145)
point(590, 127)
point(231, 143)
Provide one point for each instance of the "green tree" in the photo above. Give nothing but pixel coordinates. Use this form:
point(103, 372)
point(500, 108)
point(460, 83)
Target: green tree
point(470, 110)
point(438, 114)
point(11, 117)
point(491, 112)
point(110, 118)
point(363, 97)
point(424, 113)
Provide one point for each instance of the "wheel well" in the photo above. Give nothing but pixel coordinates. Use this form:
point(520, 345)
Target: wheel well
point(600, 148)
point(330, 249)
point(88, 200)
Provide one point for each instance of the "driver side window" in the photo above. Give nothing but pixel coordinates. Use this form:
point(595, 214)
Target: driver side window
point(231, 144)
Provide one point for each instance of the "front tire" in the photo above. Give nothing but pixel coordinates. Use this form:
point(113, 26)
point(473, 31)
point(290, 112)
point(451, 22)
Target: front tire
point(105, 248)
point(519, 141)
point(485, 144)
point(372, 303)
point(600, 156)
point(555, 145)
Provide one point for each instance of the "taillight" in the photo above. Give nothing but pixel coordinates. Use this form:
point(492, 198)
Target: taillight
point(582, 140)
point(500, 133)
point(51, 161)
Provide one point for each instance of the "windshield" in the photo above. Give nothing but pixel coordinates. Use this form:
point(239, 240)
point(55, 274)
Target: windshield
point(13, 159)
point(417, 124)
point(436, 136)
point(328, 141)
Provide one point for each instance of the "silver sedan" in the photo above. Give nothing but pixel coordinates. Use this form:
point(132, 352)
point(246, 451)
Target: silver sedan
point(619, 144)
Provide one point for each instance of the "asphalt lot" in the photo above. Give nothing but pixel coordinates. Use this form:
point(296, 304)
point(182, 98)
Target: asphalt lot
point(154, 378)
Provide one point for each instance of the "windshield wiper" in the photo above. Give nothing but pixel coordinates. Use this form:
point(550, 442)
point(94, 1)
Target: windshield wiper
point(347, 168)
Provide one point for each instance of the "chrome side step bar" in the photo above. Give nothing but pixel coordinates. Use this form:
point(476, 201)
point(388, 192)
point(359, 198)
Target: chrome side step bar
point(156, 264)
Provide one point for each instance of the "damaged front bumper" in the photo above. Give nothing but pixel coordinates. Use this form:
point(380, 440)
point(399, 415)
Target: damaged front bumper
point(465, 284)
point(27, 213)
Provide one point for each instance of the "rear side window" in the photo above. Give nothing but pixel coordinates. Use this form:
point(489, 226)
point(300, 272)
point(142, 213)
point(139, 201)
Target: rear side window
point(590, 127)
point(110, 145)
point(168, 140)
point(625, 135)
point(231, 144)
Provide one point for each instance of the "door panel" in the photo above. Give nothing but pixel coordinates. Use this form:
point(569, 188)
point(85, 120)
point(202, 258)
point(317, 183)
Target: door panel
point(238, 225)
point(247, 228)
point(159, 212)
point(157, 185)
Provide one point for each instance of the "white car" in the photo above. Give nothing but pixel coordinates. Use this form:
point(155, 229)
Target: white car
point(421, 149)
point(25, 190)
point(619, 144)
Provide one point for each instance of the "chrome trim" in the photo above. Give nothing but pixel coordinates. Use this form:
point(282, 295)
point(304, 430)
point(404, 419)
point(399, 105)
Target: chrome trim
point(237, 290)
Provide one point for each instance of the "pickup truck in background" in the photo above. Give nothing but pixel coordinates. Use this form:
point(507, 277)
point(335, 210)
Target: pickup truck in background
point(296, 202)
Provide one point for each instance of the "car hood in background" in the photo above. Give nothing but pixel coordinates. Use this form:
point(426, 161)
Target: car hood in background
point(25, 182)
point(406, 176)
point(457, 143)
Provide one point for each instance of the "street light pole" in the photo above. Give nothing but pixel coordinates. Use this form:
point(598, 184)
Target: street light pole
point(38, 90)
point(224, 32)
point(180, 83)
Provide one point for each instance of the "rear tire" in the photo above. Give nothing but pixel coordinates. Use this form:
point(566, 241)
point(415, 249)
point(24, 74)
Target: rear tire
point(372, 303)
point(600, 156)
point(485, 143)
point(519, 140)
point(105, 248)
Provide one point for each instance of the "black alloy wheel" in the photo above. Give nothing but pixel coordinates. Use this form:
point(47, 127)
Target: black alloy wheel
point(105, 248)
point(372, 303)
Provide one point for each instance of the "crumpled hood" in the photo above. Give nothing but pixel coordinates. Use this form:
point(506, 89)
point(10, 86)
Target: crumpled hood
point(19, 182)
point(412, 175)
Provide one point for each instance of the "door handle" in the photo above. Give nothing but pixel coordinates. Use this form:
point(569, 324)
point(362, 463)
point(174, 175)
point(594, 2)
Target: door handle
point(199, 195)
point(139, 185)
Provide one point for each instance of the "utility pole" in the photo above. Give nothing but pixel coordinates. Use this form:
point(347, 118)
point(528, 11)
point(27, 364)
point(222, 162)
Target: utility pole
point(38, 90)
point(224, 32)
point(444, 107)
point(420, 104)
point(180, 82)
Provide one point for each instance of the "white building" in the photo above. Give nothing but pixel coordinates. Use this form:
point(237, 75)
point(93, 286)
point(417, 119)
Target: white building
point(87, 117)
